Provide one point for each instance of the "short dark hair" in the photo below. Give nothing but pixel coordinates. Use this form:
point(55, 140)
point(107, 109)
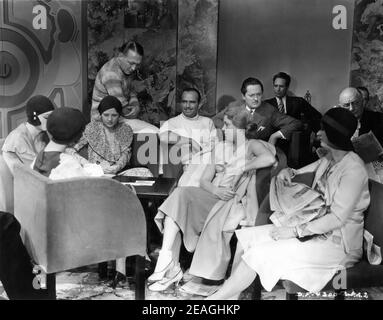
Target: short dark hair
point(361, 88)
point(191, 89)
point(248, 82)
point(284, 76)
point(134, 46)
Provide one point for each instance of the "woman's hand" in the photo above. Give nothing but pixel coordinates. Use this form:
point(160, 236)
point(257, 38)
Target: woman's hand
point(224, 193)
point(107, 168)
point(286, 175)
point(280, 233)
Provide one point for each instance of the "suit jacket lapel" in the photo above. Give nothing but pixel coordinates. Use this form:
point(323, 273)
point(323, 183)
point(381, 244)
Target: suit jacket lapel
point(288, 105)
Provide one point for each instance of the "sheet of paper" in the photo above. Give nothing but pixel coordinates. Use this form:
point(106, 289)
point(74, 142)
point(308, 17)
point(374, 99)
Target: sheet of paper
point(140, 183)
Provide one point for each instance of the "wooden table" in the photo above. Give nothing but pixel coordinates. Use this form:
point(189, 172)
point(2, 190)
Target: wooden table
point(155, 194)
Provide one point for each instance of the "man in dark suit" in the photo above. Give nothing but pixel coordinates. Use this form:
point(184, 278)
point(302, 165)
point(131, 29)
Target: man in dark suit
point(296, 107)
point(272, 125)
point(352, 99)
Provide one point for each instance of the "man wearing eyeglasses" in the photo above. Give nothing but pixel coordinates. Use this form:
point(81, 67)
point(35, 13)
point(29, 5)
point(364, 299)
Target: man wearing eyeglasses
point(352, 99)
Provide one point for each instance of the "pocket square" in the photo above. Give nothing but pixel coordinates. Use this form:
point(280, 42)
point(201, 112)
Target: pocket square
point(261, 128)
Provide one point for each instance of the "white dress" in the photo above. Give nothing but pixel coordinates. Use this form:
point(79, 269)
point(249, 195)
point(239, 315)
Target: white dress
point(312, 264)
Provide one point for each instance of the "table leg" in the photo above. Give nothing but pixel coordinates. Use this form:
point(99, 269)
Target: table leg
point(51, 286)
point(140, 278)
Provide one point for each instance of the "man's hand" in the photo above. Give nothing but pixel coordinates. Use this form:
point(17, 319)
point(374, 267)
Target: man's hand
point(274, 138)
point(224, 193)
point(131, 111)
point(280, 233)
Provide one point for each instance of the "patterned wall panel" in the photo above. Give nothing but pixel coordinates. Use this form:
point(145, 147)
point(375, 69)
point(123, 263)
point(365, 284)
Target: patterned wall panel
point(44, 61)
point(197, 49)
point(153, 23)
point(367, 50)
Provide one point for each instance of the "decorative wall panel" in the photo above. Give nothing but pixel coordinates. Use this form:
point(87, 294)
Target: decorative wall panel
point(367, 50)
point(153, 23)
point(43, 61)
point(197, 49)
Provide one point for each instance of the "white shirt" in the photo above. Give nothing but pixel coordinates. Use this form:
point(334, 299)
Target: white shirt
point(201, 129)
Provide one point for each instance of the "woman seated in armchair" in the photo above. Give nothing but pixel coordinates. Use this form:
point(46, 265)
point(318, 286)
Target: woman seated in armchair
point(29, 138)
point(109, 140)
point(65, 127)
point(200, 213)
point(333, 240)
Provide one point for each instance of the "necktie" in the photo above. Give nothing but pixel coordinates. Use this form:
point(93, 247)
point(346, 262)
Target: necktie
point(281, 107)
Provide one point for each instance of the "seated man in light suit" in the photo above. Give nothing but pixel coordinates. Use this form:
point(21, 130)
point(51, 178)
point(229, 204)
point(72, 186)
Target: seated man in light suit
point(192, 133)
point(272, 125)
point(296, 107)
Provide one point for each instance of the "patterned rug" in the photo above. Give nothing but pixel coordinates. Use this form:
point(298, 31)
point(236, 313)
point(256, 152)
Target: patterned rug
point(84, 284)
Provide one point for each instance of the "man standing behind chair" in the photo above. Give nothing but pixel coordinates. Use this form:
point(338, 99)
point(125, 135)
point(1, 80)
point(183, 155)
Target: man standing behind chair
point(190, 131)
point(272, 125)
point(115, 78)
point(296, 107)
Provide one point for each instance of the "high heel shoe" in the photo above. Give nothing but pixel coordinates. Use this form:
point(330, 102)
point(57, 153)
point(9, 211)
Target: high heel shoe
point(164, 259)
point(174, 276)
point(117, 279)
point(159, 275)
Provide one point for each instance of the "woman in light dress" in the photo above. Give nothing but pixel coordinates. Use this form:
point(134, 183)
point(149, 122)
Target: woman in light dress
point(336, 239)
point(197, 211)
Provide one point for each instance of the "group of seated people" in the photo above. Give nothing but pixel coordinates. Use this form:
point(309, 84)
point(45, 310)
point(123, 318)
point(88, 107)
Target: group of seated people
point(216, 193)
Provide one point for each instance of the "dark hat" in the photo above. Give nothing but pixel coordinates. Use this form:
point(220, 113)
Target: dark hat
point(340, 125)
point(37, 105)
point(110, 102)
point(66, 125)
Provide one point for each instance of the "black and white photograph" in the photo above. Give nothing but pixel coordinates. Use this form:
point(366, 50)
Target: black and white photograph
point(192, 151)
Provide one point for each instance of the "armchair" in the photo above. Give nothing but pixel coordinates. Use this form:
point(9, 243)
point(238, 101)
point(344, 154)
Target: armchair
point(76, 222)
point(6, 184)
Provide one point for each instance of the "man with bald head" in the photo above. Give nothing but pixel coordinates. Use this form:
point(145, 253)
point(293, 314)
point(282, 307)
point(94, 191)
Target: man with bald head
point(351, 99)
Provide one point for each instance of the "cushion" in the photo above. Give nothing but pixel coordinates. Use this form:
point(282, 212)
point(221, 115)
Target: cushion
point(373, 221)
